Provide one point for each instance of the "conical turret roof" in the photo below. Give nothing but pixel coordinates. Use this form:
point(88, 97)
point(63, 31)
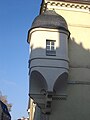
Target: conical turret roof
point(49, 19)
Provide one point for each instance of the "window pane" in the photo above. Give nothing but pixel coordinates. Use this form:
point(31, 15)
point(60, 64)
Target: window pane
point(48, 47)
point(48, 42)
point(52, 42)
point(52, 47)
point(51, 53)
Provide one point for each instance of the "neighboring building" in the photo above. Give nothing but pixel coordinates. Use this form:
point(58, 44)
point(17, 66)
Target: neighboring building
point(31, 109)
point(4, 113)
point(23, 118)
point(59, 65)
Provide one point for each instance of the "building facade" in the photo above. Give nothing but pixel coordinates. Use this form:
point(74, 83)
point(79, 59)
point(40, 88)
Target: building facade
point(59, 71)
point(4, 113)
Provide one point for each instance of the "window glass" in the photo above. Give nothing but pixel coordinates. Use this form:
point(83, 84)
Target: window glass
point(48, 42)
point(52, 43)
point(50, 47)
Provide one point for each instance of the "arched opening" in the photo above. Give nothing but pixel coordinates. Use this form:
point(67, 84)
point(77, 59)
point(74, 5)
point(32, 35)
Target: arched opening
point(61, 84)
point(37, 83)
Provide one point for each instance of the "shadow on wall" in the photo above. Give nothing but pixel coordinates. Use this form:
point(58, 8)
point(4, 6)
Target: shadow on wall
point(78, 55)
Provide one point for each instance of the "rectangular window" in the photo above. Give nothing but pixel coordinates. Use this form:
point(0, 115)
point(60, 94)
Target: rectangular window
point(50, 47)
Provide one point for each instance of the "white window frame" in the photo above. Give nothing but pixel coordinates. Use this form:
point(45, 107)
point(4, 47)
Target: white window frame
point(51, 47)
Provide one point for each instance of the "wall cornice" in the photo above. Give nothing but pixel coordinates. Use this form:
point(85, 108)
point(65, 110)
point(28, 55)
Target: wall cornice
point(73, 1)
point(66, 5)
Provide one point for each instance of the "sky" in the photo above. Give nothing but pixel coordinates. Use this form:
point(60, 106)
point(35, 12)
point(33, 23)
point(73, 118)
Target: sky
point(16, 17)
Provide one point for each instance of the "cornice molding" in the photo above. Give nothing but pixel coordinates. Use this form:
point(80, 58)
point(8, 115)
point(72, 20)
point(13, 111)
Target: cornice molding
point(66, 5)
point(72, 1)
